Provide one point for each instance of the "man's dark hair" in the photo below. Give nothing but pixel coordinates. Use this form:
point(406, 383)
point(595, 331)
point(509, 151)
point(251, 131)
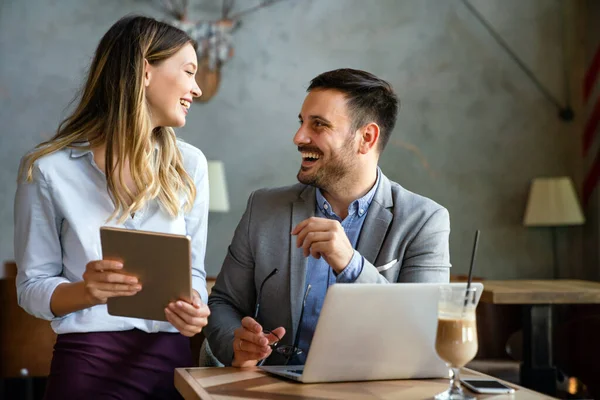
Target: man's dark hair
point(368, 98)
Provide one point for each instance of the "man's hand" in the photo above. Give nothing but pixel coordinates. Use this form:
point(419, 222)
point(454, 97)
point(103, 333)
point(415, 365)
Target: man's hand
point(250, 344)
point(322, 237)
point(189, 319)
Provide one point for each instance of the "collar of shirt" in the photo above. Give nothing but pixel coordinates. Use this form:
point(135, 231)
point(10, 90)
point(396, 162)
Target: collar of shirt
point(80, 149)
point(358, 207)
point(83, 148)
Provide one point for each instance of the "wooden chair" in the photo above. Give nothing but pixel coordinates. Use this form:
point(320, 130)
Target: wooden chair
point(26, 345)
point(26, 342)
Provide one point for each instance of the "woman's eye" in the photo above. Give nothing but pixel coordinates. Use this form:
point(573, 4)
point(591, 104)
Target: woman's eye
point(190, 73)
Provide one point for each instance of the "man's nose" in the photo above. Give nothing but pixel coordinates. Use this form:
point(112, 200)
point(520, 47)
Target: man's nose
point(301, 137)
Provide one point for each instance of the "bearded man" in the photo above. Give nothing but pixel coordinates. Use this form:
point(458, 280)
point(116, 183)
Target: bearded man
point(345, 222)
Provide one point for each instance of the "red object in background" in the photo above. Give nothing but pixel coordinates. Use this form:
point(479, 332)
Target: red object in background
point(591, 97)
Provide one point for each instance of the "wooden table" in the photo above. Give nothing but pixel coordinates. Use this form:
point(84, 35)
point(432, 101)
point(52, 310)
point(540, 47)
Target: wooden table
point(251, 383)
point(538, 371)
point(559, 291)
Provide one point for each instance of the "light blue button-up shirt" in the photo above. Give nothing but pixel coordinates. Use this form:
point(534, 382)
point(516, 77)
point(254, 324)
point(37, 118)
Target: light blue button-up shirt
point(318, 273)
point(57, 221)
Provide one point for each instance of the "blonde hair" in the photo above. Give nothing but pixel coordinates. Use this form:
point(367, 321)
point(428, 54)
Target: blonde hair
point(113, 111)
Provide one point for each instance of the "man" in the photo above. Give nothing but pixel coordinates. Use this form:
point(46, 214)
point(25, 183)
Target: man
point(344, 223)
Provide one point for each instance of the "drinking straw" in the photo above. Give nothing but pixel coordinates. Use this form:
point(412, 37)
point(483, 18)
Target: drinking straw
point(475, 244)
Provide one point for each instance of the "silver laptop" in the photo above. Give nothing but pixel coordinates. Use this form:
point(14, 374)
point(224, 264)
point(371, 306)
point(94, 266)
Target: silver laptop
point(373, 332)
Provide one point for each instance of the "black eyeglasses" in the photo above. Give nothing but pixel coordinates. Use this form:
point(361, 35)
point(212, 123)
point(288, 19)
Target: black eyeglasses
point(286, 350)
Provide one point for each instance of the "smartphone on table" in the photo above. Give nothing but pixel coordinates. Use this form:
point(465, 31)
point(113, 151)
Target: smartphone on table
point(486, 386)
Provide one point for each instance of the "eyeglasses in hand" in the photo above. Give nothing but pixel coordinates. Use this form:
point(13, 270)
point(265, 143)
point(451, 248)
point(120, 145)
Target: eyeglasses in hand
point(286, 350)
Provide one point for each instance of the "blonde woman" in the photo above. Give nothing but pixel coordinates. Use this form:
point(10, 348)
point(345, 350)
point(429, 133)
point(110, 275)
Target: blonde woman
point(115, 161)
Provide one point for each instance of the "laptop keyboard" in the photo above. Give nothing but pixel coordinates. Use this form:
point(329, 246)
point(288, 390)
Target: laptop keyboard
point(295, 371)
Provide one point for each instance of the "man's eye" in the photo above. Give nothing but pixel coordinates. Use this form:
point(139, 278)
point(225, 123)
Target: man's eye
point(318, 124)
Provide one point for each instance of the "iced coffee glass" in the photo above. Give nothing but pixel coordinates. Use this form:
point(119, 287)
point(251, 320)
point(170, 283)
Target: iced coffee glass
point(456, 339)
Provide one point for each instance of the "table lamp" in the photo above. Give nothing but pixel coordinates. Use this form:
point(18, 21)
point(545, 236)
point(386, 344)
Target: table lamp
point(552, 203)
point(219, 200)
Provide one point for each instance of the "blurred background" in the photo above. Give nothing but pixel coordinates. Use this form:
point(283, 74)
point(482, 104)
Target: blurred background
point(472, 132)
point(481, 83)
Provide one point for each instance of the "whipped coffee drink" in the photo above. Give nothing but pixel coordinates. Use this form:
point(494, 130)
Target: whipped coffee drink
point(456, 339)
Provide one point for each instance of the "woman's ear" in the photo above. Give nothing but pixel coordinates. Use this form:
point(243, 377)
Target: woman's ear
point(147, 73)
point(369, 138)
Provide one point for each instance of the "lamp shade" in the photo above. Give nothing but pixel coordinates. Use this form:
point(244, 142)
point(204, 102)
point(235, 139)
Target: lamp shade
point(219, 200)
point(553, 202)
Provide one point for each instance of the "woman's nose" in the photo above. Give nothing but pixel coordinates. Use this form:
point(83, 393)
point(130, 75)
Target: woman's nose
point(196, 92)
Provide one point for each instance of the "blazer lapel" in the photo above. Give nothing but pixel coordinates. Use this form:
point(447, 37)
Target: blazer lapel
point(377, 221)
point(302, 208)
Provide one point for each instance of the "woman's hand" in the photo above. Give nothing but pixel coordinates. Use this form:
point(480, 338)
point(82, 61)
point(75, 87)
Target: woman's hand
point(103, 279)
point(189, 319)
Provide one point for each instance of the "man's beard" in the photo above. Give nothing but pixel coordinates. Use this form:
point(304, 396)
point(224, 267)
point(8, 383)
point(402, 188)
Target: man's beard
point(332, 171)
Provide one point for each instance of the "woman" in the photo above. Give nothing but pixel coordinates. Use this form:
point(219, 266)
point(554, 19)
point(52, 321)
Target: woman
point(115, 161)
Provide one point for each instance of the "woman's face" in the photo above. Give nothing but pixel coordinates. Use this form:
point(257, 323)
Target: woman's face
point(171, 87)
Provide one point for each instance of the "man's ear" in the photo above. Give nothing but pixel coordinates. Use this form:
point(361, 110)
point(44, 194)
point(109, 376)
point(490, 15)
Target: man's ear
point(147, 73)
point(369, 138)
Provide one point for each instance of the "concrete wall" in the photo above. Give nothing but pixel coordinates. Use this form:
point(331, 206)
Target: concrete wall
point(471, 133)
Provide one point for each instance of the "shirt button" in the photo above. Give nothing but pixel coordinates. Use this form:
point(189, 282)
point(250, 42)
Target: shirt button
point(361, 211)
point(325, 206)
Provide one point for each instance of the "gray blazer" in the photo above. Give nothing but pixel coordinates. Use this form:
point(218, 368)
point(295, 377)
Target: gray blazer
point(404, 239)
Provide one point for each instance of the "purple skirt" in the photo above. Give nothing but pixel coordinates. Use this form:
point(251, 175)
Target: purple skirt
point(117, 365)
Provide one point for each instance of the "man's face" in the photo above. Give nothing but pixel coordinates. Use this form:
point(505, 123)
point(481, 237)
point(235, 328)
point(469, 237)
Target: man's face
point(328, 147)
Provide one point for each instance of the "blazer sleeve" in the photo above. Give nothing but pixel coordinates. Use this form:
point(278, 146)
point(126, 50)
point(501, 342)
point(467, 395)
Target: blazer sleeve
point(234, 293)
point(427, 258)
point(370, 274)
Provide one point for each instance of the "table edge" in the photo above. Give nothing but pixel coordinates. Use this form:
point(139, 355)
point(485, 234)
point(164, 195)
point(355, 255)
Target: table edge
point(195, 391)
point(187, 386)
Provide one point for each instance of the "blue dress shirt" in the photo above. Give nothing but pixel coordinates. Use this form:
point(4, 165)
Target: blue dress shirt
point(318, 273)
point(57, 220)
